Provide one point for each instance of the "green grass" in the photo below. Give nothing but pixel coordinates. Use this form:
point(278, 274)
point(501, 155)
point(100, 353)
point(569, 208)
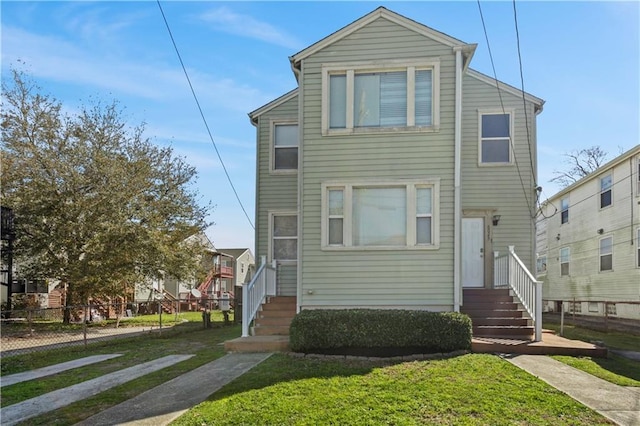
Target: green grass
point(186, 338)
point(467, 390)
point(612, 339)
point(615, 369)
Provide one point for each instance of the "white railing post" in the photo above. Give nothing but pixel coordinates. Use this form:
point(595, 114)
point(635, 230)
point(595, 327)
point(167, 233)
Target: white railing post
point(538, 311)
point(245, 310)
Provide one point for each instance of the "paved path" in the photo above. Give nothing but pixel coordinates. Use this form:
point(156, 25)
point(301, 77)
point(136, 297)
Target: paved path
point(163, 404)
point(617, 403)
point(62, 397)
point(53, 369)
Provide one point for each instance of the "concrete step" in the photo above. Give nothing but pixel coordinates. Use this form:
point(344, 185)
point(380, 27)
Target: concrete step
point(514, 332)
point(550, 344)
point(266, 321)
point(490, 313)
point(258, 344)
point(510, 321)
point(271, 330)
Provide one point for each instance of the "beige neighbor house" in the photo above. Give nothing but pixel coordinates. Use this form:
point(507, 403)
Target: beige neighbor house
point(390, 175)
point(589, 239)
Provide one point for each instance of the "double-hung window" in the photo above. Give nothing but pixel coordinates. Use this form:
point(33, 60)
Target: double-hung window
point(285, 147)
point(495, 138)
point(366, 97)
point(284, 237)
point(397, 214)
point(564, 261)
point(638, 247)
point(605, 191)
point(606, 254)
point(564, 210)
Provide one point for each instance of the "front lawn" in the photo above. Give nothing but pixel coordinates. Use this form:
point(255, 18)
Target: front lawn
point(471, 389)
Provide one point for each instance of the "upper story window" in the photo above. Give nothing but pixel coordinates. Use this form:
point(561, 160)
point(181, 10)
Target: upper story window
point(638, 178)
point(380, 215)
point(564, 261)
point(285, 147)
point(606, 254)
point(564, 210)
point(541, 265)
point(374, 97)
point(605, 191)
point(495, 138)
point(638, 247)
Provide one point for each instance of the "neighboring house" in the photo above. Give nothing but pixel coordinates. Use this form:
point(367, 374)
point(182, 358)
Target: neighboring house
point(218, 264)
point(392, 173)
point(243, 266)
point(589, 242)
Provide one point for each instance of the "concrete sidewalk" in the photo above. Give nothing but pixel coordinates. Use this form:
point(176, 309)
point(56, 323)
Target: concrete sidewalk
point(617, 403)
point(163, 404)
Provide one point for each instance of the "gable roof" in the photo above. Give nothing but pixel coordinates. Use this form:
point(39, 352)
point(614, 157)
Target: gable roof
point(235, 252)
point(506, 87)
point(253, 115)
point(381, 12)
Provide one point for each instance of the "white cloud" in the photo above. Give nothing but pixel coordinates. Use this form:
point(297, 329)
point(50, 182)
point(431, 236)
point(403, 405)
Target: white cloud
point(246, 26)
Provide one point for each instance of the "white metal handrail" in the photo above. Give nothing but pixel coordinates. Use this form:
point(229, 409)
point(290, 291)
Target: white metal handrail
point(255, 293)
point(510, 271)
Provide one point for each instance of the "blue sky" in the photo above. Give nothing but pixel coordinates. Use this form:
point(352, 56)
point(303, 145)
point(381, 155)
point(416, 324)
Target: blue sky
point(582, 58)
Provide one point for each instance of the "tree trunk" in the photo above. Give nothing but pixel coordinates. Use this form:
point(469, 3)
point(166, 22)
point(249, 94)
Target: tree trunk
point(66, 317)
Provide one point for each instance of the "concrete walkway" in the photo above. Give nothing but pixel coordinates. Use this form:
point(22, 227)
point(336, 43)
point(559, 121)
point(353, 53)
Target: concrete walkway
point(617, 403)
point(163, 404)
point(62, 397)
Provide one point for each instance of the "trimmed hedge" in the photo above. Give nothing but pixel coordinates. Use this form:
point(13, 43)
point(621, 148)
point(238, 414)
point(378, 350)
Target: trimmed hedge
point(379, 332)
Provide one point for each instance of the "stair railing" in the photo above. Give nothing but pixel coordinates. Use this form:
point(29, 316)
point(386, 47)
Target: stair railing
point(255, 293)
point(511, 272)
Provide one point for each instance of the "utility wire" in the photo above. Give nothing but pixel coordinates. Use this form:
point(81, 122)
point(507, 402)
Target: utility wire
point(524, 102)
point(195, 97)
point(515, 158)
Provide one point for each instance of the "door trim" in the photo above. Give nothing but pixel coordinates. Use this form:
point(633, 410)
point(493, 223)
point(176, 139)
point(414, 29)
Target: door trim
point(486, 214)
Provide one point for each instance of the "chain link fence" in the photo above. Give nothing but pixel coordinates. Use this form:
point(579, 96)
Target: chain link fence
point(33, 329)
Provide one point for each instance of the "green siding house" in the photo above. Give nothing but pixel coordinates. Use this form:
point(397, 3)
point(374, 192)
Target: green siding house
point(393, 172)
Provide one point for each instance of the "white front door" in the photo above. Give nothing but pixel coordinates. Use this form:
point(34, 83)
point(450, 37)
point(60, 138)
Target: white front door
point(473, 252)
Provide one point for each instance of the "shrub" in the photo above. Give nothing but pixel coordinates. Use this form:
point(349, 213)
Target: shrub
point(379, 332)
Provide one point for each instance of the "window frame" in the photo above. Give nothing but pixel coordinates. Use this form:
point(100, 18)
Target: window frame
point(564, 208)
point(411, 213)
point(272, 145)
point(482, 112)
point(541, 265)
point(350, 69)
point(638, 247)
point(601, 255)
point(568, 262)
point(609, 189)
point(272, 215)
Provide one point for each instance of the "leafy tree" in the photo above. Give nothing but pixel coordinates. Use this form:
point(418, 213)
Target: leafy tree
point(580, 162)
point(97, 205)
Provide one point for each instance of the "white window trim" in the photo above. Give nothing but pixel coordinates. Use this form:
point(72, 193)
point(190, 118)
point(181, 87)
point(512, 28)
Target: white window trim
point(273, 213)
point(600, 191)
point(350, 69)
point(567, 210)
point(638, 177)
point(600, 254)
point(638, 248)
point(272, 146)
point(560, 262)
point(411, 185)
point(512, 114)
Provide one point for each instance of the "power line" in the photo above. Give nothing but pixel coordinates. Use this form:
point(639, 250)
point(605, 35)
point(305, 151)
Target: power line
point(515, 158)
point(195, 97)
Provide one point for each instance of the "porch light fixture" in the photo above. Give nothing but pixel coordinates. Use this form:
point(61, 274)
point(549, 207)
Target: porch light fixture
point(496, 219)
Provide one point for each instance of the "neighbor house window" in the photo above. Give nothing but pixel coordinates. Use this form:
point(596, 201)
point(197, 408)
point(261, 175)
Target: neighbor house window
point(284, 232)
point(638, 247)
point(564, 261)
point(605, 191)
point(391, 96)
point(541, 265)
point(387, 214)
point(285, 146)
point(495, 138)
point(606, 254)
point(638, 178)
point(564, 210)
